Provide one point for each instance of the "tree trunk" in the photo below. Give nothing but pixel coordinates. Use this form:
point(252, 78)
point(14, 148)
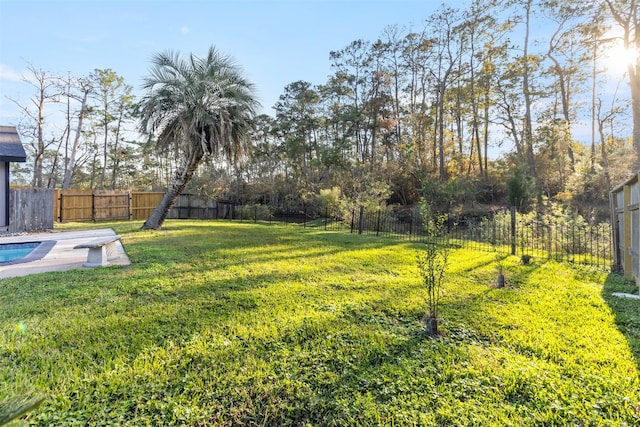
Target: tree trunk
point(432, 326)
point(116, 155)
point(500, 284)
point(634, 82)
point(626, 15)
point(38, 158)
point(180, 179)
point(106, 144)
point(441, 91)
point(68, 173)
point(528, 125)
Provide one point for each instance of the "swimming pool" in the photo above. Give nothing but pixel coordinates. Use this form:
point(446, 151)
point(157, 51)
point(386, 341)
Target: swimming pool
point(18, 253)
point(15, 251)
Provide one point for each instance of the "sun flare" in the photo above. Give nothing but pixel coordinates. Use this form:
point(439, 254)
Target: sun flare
point(617, 58)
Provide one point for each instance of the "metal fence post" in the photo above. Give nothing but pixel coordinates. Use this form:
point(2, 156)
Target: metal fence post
point(361, 220)
point(353, 218)
point(326, 217)
point(513, 230)
point(495, 232)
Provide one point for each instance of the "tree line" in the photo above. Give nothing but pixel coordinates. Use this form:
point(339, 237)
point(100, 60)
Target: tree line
point(460, 108)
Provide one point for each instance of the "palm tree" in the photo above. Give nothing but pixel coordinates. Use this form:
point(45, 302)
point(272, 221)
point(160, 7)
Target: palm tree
point(197, 107)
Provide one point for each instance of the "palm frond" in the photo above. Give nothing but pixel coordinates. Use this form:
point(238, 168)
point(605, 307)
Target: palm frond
point(14, 408)
point(202, 103)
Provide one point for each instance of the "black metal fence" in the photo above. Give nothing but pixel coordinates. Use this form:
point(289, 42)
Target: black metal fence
point(564, 237)
point(567, 238)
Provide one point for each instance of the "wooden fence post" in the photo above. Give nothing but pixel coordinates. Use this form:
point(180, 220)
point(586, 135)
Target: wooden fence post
point(60, 208)
point(93, 207)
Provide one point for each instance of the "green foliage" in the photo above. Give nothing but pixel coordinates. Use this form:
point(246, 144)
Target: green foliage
point(439, 195)
point(374, 196)
point(330, 199)
point(587, 191)
point(254, 212)
point(223, 324)
point(433, 257)
point(520, 190)
point(555, 230)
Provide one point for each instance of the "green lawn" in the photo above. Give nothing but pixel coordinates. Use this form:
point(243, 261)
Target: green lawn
point(219, 323)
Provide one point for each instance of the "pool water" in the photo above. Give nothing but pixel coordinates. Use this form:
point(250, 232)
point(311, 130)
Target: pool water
point(15, 251)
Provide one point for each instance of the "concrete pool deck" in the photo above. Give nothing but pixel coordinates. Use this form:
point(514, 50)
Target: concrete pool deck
point(62, 256)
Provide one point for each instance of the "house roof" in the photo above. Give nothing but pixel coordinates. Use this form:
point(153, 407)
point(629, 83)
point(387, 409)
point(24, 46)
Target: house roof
point(11, 149)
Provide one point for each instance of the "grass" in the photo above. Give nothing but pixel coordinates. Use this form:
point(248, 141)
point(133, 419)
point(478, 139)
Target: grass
point(219, 323)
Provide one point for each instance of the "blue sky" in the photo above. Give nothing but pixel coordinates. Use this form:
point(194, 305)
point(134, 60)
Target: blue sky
point(276, 41)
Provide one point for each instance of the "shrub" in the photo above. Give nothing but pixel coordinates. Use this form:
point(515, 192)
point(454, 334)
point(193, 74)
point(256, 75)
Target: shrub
point(432, 263)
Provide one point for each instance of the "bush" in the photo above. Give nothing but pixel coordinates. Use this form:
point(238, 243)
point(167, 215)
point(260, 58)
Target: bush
point(255, 212)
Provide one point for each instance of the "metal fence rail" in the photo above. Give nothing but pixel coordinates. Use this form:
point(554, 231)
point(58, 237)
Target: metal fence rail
point(533, 235)
point(571, 241)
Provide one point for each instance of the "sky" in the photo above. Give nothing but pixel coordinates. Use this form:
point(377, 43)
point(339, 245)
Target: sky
point(276, 42)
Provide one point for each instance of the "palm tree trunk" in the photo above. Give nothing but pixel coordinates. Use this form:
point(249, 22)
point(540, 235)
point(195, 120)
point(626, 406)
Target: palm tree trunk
point(178, 182)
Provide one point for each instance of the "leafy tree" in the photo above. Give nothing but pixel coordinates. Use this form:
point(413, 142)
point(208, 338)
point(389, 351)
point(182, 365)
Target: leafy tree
point(443, 24)
point(115, 108)
point(565, 44)
point(417, 52)
point(352, 72)
point(520, 189)
point(556, 155)
point(626, 14)
point(197, 106)
point(296, 115)
point(124, 107)
point(527, 74)
point(330, 199)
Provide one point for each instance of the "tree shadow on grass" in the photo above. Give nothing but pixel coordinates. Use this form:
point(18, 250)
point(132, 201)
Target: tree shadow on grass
point(625, 310)
point(185, 281)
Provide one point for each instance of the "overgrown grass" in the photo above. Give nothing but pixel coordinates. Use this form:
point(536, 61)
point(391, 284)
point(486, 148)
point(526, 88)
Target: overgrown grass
point(219, 323)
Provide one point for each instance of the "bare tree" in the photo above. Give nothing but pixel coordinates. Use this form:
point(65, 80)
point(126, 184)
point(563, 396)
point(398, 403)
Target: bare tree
point(47, 91)
point(85, 87)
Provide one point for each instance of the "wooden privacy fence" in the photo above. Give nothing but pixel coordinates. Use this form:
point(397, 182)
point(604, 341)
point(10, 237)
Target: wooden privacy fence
point(88, 205)
point(30, 209)
point(625, 216)
point(143, 203)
